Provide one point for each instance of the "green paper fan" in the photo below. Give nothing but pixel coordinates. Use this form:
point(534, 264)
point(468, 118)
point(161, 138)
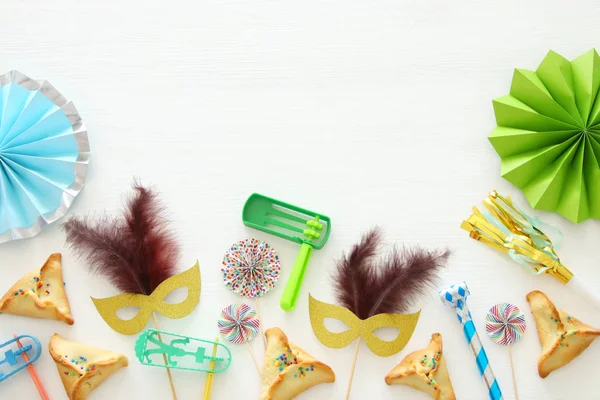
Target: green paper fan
point(548, 135)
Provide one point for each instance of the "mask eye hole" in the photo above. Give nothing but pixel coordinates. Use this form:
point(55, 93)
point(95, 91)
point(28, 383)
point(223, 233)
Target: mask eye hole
point(177, 296)
point(335, 325)
point(127, 313)
point(387, 334)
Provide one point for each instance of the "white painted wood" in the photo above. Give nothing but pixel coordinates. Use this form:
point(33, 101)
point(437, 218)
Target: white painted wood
point(373, 112)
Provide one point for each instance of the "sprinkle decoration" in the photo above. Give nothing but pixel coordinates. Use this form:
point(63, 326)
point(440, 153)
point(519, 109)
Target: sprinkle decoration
point(37, 284)
point(287, 359)
point(76, 362)
point(505, 323)
point(251, 268)
point(431, 363)
point(238, 323)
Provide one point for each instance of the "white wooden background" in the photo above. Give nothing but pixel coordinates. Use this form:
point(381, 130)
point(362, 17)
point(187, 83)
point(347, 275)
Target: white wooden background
point(372, 112)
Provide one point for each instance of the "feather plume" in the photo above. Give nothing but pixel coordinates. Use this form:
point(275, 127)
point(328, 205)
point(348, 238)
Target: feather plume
point(368, 287)
point(136, 252)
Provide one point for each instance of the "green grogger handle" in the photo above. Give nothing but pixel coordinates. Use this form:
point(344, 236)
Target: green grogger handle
point(292, 289)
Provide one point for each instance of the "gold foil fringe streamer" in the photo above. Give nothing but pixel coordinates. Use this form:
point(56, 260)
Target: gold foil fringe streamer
point(503, 226)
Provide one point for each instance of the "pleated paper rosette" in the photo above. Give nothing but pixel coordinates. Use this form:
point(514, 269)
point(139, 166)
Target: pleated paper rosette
point(548, 135)
point(44, 154)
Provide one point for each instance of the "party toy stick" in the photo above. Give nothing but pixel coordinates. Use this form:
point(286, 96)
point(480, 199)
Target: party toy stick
point(251, 269)
point(505, 324)
point(262, 332)
point(34, 376)
point(505, 227)
point(455, 297)
point(210, 376)
point(181, 352)
point(10, 355)
point(169, 375)
point(239, 324)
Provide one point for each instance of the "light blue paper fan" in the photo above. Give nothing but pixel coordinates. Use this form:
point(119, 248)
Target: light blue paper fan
point(44, 153)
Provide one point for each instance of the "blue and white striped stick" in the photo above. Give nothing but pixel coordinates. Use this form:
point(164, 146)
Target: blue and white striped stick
point(455, 297)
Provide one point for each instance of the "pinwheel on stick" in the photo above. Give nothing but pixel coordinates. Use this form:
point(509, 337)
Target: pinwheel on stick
point(239, 324)
point(505, 324)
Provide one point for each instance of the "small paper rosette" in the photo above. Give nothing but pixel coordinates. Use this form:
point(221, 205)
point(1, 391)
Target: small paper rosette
point(251, 268)
point(548, 135)
point(44, 154)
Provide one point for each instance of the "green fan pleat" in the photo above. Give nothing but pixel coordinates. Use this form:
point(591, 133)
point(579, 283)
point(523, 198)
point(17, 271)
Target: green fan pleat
point(586, 79)
point(573, 202)
point(529, 89)
point(521, 169)
point(594, 121)
point(591, 176)
point(510, 141)
point(557, 77)
point(544, 191)
point(512, 113)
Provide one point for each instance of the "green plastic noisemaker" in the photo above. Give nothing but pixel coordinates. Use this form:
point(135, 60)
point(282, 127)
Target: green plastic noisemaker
point(170, 350)
point(308, 228)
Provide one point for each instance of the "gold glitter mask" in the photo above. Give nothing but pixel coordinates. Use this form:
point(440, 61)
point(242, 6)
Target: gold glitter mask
point(154, 302)
point(365, 329)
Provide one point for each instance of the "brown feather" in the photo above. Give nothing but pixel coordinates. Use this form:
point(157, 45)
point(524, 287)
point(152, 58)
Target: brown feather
point(136, 253)
point(368, 287)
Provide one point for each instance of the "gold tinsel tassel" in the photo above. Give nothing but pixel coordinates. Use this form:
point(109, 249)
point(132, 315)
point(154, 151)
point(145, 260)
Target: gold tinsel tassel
point(503, 226)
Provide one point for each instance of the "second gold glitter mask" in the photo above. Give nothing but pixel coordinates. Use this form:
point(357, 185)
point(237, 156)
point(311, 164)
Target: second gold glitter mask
point(319, 311)
point(154, 302)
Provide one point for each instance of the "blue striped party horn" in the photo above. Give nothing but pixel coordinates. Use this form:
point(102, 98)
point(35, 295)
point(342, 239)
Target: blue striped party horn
point(455, 297)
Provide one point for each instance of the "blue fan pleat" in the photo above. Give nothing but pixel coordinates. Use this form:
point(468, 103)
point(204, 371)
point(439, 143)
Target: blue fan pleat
point(48, 126)
point(56, 172)
point(36, 107)
point(20, 210)
point(59, 147)
point(15, 98)
point(42, 193)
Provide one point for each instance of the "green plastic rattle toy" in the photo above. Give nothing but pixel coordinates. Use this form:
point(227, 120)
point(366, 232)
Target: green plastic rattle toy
point(287, 221)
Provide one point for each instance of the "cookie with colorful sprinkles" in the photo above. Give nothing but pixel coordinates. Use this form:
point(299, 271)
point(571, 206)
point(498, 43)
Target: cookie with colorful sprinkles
point(40, 294)
point(83, 368)
point(562, 336)
point(288, 370)
point(425, 370)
